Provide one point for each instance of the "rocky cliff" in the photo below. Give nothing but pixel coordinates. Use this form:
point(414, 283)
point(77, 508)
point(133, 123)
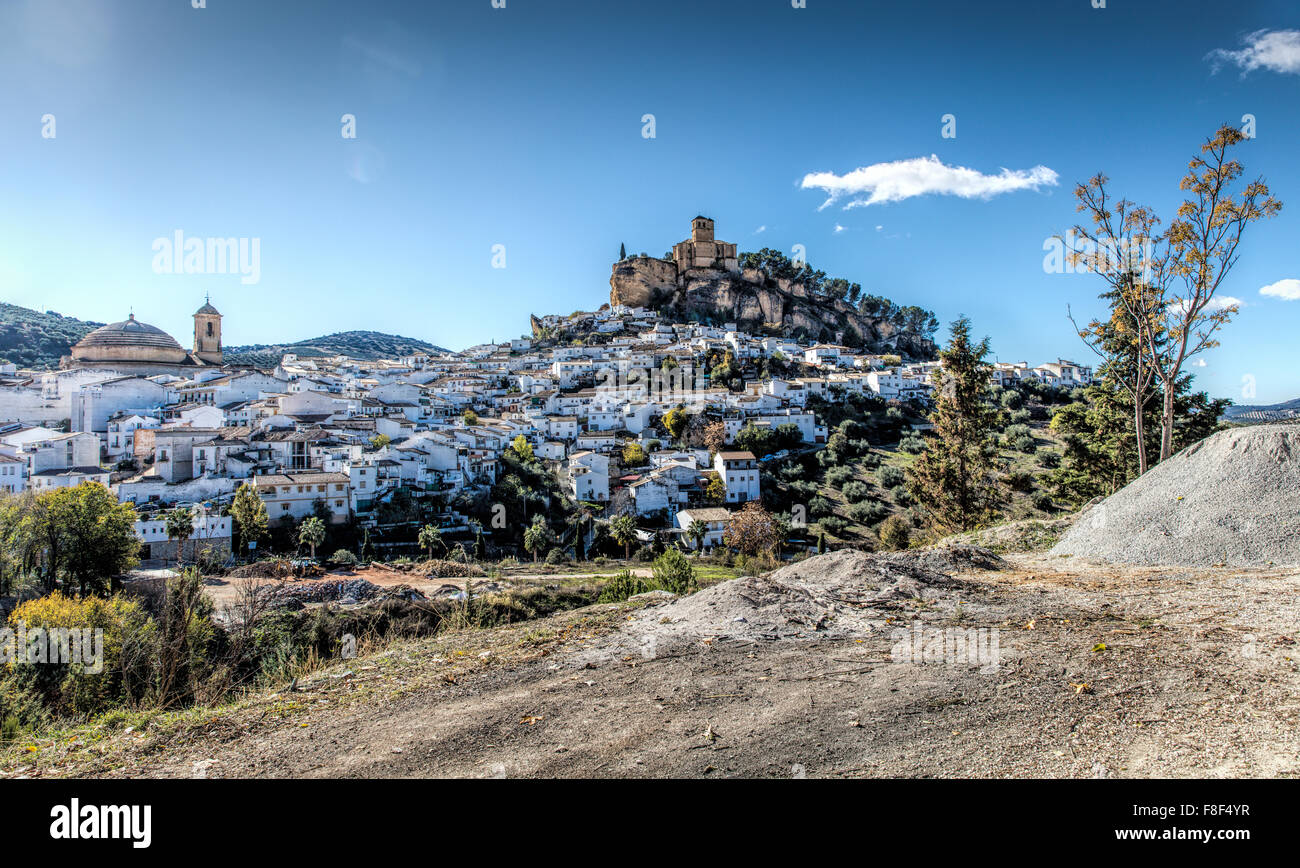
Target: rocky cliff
point(756, 303)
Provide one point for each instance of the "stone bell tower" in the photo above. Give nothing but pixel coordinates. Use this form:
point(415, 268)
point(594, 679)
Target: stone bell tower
point(207, 334)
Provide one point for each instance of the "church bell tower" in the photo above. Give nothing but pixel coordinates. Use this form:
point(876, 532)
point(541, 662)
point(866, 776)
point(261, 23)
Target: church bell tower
point(207, 334)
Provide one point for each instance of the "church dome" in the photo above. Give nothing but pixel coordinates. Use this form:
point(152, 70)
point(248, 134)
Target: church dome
point(129, 340)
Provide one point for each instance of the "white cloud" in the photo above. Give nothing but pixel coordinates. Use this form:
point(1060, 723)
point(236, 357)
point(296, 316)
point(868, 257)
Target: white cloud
point(1218, 302)
point(760, 230)
point(838, 229)
point(904, 179)
point(1274, 50)
point(1287, 290)
point(880, 228)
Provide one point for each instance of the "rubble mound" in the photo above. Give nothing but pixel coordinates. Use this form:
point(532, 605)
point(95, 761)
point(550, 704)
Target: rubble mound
point(1232, 499)
point(340, 590)
point(838, 595)
point(447, 569)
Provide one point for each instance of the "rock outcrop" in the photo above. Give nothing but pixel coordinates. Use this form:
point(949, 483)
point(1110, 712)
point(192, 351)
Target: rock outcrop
point(642, 281)
point(756, 303)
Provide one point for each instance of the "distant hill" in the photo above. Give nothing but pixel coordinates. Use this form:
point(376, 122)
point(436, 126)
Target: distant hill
point(1263, 412)
point(31, 339)
point(363, 345)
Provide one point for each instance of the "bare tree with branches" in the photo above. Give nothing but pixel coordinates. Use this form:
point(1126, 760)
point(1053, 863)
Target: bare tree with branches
point(1203, 245)
point(1122, 243)
point(1164, 282)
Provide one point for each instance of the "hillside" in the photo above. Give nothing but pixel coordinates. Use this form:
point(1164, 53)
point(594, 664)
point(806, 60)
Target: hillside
point(1263, 412)
point(32, 339)
point(364, 345)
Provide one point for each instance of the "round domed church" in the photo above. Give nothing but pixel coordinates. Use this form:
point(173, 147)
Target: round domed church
point(134, 347)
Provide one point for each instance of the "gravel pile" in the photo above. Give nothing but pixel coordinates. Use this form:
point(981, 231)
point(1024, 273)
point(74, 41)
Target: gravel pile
point(838, 595)
point(1232, 499)
point(342, 590)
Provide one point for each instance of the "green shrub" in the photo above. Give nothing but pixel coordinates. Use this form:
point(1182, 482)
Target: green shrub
point(901, 495)
point(835, 525)
point(1042, 500)
point(622, 586)
point(837, 476)
point(673, 572)
point(1013, 431)
point(343, 558)
point(1018, 480)
point(1025, 443)
point(856, 492)
point(556, 556)
point(891, 476)
point(820, 506)
point(913, 444)
point(868, 512)
point(894, 533)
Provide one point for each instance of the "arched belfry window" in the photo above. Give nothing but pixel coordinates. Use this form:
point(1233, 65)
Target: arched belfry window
point(209, 329)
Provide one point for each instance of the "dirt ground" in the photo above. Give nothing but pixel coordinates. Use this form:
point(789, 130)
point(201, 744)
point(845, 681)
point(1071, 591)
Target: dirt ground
point(1101, 672)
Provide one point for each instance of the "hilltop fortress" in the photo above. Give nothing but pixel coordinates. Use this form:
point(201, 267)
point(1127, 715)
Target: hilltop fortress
point(703, 281)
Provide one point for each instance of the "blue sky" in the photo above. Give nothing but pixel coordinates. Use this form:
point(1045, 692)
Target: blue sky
point(522, 127)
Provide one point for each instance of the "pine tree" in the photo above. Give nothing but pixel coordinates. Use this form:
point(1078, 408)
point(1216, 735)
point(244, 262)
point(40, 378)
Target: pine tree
point(955, 479)
point(622, 252)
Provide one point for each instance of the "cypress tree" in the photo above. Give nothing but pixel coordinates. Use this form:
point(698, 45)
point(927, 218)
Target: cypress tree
point(955, 479)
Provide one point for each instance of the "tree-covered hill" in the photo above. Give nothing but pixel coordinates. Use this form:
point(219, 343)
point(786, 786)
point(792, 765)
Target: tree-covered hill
point(355, 344)
point(32, 339)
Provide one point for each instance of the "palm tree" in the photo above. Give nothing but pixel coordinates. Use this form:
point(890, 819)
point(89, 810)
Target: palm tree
point(311, 533)
point(536, 536)
point(429, 537)
point(180, 525)
point(623, 530)
point(696, 532)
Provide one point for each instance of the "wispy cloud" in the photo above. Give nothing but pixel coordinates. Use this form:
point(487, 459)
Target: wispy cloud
point(760, 230)
point(1274, 50)
point(1218, 302)
point(839, 229)
point(882, 183)
point(1287, 290)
